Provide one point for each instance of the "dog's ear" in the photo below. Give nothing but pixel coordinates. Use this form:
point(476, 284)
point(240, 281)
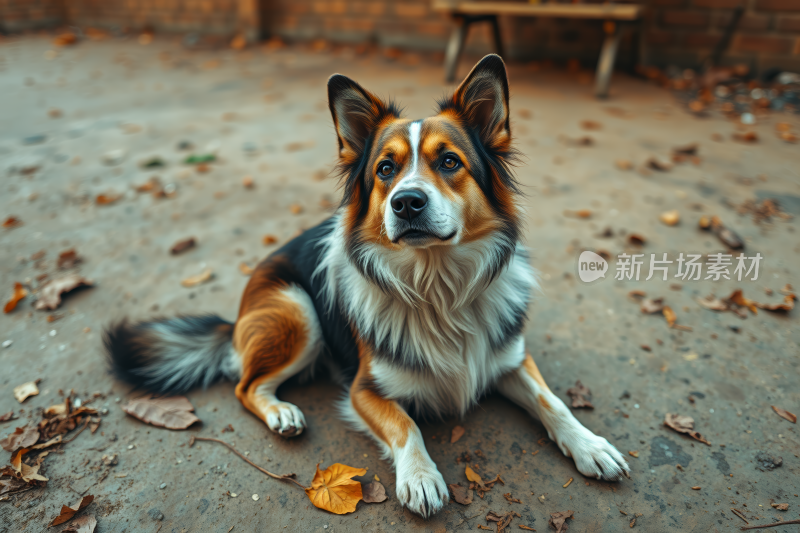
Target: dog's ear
point(482, 102)
point(356, 113)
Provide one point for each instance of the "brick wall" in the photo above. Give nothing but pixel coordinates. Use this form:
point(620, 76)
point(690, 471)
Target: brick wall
point(680, 32)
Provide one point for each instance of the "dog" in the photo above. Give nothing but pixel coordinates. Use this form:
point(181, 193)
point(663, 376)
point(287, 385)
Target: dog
point(415, 292)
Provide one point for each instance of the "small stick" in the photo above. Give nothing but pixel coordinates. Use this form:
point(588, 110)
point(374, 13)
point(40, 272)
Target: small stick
point(565, 485)
point(285, 477)
point(72, 438)
point(774, 524)
point(738, 513)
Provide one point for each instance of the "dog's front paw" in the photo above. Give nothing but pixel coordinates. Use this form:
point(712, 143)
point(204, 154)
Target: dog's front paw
point(421, 488)
point(594, 456)
point(285, 419)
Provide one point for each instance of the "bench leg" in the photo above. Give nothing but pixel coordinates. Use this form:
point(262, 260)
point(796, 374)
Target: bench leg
point(454, 48)
point(498, 41)
point(605, 66)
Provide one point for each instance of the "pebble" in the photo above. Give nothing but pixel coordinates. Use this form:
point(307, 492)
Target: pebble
point(255, 497)
point(53, 333)
point(114, 157)
point(163, 486)
point(34, 139)
point(185, 145)
point(155, 514)
point(7, 343)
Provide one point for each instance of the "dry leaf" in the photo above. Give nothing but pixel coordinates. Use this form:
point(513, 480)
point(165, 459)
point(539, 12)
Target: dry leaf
point(26, 390)
point(472, 476)
point(669, 315)
point(296, 209)
point(684, 424)
point(269, 239)
point(456, 434)
point(503, 521)
point(333, 489)
point(204, 276)
point(248, 182)
point(558, 521)
point(780, 506)
point(12, 222)
point(791, 417)
point(27, 472)
point(580, 213)
point(689, 149)
point(23, 437)
point(20, 292)
point(65, 39)
point(635, 239)
point(634, 453)
point(462, 495)
point(7, 416)
point(68, 512)
point(591, 125)
point(68, 259)
point(181, 246)
point(657, 164)
point(670, 218)
point(174, 412)
point(652, 305)
point(82, 524)
point(246, 269)
point(580, 396)
point(50, 293)
point(373, 492)
point(746, 137)
point(511, 499)
point(106, 199)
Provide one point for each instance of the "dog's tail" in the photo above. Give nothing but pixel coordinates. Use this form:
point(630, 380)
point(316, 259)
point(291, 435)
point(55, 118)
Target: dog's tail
point(172, 355)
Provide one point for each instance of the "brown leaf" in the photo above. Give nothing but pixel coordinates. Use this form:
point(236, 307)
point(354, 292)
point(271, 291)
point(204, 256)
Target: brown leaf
point(472, 476)
point(7, 416)
point(669, 315)
point(27, 472)
point(746, 137)
point(511, 499)
point(65, 39)
point(373, 492)
point(26, 390)
point(334, 490)
point(174, 412)
point(558, 521)
point(652, 305)
point(591, 125)
point(462, 495)
point(688, 149)
point(12, 222)
point(50, 293)
point(107, 199)
point(23, 437)
point(296, 209)
point(503, 521)
point(82, 524)
point(713, 303)
point(634, 453)
point(204, 276)
point(635, 239)
point(181, 246)
point(456, 434)
point(623, 164)
point(68, 259)
point(580, 213)
point(655, 163)
point(791, 417)
point(20, 292)
point(684, 424)
point(68, 512)
point(787, 305)
point(269, 239)
point(780, 506)
point(580, 395)
point(246, 269)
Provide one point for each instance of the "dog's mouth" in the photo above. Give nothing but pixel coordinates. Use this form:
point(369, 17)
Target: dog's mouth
point(414, 236)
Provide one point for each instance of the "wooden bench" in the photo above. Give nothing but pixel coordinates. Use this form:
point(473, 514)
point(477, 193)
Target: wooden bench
point(467, 12)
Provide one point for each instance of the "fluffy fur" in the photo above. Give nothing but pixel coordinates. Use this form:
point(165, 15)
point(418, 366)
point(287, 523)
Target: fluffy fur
point(415, 292)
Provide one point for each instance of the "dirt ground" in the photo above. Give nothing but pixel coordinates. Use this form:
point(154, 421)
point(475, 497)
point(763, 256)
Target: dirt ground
point(264, 113)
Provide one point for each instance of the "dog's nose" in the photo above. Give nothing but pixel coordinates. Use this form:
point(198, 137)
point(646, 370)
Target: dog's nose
point(409, 204)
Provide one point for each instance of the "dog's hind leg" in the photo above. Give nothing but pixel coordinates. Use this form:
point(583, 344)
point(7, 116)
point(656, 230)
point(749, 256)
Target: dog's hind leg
point(276, 338)
point(594, 456)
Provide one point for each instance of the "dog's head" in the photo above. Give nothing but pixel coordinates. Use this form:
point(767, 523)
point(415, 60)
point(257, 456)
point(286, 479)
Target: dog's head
point(412, 188)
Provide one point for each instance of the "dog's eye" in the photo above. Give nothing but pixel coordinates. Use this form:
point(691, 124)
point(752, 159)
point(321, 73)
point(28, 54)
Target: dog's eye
point(450, 163)
point(385, 169)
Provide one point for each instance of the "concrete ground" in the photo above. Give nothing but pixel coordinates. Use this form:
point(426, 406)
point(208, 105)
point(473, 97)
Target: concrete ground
point(265, 114)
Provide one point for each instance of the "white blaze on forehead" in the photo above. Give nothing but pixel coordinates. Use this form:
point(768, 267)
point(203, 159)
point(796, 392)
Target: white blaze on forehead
point(413, 135)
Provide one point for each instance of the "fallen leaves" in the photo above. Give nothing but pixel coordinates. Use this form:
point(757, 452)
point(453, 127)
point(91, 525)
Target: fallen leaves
point(580, 395)
point(502, 520)
point(12, 222)
point(334, 490)
point(652, 305)
point(373, 492)
point(246, 269)
point(174, 412)
point(780, 506)
point(107, 199)
point(580, 213)
point(462, 495)
point(747, 137)
point(738, 304)
point(670, 218)
point(24, 437)
point(50, 293)
point(82, 524)
point(791, 417)
point(684, 424)
point(558, 521)
point(456, 434)
point(763, 211)
point(7, 416)
point(511, 499)
point(477, 483)
point(68, 259)
point(183, 245)
point(68, 512)
point(267, 240)
point(728, 237)
point(591, 125)
point(203, 277)
point(26, 390)
point(20, 292)
point(634, 453)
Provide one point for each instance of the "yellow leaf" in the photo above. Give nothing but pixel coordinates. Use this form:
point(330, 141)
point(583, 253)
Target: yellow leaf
point(472, 476)
point(333, 489)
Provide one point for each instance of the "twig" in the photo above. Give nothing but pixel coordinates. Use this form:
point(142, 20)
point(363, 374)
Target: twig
point(72, 438)
point(774, 524)
point(285, 477)
point(740, 514)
